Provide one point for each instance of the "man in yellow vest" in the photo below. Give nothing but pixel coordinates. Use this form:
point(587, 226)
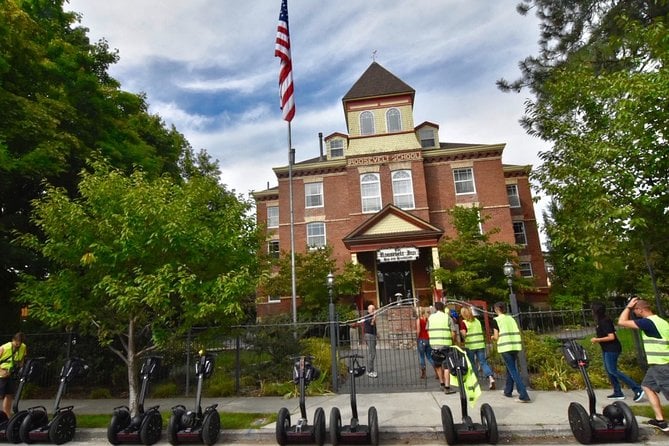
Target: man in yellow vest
point(442, 330)
point(655, 337)
point(12, 355)
point(507, 335)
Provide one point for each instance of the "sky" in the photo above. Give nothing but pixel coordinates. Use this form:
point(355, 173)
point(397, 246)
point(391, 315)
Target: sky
point(208, 68)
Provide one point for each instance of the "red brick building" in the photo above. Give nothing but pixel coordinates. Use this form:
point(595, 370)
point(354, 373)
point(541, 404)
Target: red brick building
point(380, 195)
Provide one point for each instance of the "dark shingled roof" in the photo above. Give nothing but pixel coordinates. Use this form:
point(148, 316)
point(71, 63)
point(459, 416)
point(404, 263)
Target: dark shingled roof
point(377, 81)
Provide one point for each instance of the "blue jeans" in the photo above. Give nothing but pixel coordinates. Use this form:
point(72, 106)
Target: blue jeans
point(615, 375)
point(480, 354)
point(424, 350)
point(513, 376)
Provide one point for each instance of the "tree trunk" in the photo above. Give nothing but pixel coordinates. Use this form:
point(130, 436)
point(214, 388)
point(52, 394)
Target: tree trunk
point(133, 380)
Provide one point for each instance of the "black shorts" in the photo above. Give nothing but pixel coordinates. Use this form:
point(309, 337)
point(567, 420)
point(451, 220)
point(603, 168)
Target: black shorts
point(7, 386)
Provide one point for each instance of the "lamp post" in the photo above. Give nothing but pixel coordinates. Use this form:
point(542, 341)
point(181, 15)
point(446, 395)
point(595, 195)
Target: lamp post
point(509, 272)
point(333, 333)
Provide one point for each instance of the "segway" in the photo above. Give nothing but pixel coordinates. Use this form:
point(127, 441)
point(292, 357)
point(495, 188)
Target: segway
point(354, 433)
point(302, 432)
point(616, 423)
point(9, 426)
point(146, 426)
point(36, 426)
point(196, 426)
point(468, 431)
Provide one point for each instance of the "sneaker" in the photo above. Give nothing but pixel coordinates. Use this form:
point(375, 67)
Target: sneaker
point(638, 396)
point(491, 386)
point(615, 396)
point(508, 395)
point(660, 424)
point(520, 400)
point(448, 390)
point(372, 374)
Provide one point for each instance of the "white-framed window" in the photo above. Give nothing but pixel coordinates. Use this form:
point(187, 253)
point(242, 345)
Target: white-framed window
point(313, 195)
point(272, 216)
point(366, 123)
point(316, 235)
point(273, 298)
point(393, 120)
point(403, 189)
point(512, 193)
point(370, 192)
point(464, 181)
point(519, 232)
point(273, 249)
point(426, 136)
point(525, 269)
point(336, 148)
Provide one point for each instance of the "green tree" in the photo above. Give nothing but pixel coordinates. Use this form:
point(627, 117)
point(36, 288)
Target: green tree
point(472, 264)
point(59, 106)
point(601, 86)
point(135, 255)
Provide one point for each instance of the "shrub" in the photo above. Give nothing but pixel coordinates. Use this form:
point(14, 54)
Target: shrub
point(100, 393)
point(165, 390)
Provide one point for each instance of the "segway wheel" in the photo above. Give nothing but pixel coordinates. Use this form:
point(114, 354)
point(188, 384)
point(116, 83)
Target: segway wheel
point(579, 421)
point(282, 426)
point(319, 426)
point(631, 425)
point(31, 422)
point(151, 427)
point(13, 426)
point(119, 421)
point(448, 425)
point(373, 420)
point(335, 426)
point(3, 417)
point(489, 421)
point(62, 427)
point(211, 427)
point(174, 425)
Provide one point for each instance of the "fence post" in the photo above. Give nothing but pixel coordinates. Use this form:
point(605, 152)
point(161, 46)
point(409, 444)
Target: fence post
point(238, 366)
point(188, 346)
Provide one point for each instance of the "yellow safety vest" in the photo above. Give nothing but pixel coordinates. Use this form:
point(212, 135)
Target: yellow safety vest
point(472, 386)
point(509, 334)
point(474, 338)
point(657, 350)
point(439, 330)
point(8, 362)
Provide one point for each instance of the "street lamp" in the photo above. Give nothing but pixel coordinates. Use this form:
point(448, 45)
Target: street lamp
point(333, 333)
point(509, 272)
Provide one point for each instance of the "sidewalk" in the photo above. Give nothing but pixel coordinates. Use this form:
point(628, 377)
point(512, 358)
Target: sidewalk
point(412, 415)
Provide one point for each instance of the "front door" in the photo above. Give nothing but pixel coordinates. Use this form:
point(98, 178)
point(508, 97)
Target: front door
point(394, 281)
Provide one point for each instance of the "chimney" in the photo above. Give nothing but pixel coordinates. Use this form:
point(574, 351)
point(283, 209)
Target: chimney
point(320, 142)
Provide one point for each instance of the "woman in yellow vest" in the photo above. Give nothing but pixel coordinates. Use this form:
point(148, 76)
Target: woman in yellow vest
point(509, 345)
point(475, 343)
point(655, 337)
point(12, 355)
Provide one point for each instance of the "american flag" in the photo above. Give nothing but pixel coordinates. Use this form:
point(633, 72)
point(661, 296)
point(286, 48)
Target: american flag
point(282, 51)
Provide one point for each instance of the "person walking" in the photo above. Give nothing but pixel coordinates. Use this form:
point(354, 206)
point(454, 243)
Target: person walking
point(370, 339)
point(655, 338)
point(441, 331)
point(605, 336)
point(507, 335)
point(12, 356)
point(423, 341)
point(474, 342)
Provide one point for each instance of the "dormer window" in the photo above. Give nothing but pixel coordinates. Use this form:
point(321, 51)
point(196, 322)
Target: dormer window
point(393, 120)
point(366, 123)
point(426, 136)
point(336, 148)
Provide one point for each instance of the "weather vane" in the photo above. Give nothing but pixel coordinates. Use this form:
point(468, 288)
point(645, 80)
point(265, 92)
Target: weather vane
point(374, 56)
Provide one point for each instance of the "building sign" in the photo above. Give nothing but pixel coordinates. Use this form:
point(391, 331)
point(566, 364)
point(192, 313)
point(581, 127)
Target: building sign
point(384, 159)
point(397, 254)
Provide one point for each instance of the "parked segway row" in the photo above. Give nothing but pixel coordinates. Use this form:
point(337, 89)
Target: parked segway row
point(354, 433)
point(145, 427)
point(302, 432)
point(616, 423)
point(468, 431)
point(36, 427)
point(9, 426)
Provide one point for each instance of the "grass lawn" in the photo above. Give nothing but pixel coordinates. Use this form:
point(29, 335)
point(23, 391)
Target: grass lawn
point(644, 410)
point(229, 420)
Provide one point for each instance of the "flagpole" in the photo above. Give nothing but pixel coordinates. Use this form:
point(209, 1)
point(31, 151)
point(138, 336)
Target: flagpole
point(291, 160)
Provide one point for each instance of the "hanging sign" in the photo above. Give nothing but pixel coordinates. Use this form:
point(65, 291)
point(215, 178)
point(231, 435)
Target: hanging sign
point(397, 254)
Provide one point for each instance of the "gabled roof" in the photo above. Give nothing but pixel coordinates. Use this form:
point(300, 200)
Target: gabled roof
point(375, 82)
point(392, 225)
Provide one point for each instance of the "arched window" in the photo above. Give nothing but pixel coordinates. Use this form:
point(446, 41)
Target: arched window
point(393, 120)
point(366, 123)
point(370, 191)
point(403, 189)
